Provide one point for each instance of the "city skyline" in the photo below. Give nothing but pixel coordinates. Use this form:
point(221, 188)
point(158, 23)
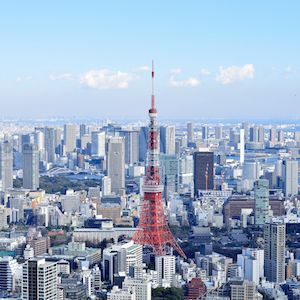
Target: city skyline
point(214, 60)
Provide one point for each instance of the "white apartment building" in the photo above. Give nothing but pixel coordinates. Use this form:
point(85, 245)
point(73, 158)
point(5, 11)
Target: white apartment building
point(118, 294)
point(142, 288)
point(165, 267)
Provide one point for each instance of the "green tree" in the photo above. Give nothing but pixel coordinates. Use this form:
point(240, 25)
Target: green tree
point(171, 293)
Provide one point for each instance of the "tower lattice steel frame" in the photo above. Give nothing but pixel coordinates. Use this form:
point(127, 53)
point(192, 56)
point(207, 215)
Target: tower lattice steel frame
point(153, 229)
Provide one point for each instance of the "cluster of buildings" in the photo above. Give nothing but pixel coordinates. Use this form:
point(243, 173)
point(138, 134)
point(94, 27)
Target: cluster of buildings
point(233, 179)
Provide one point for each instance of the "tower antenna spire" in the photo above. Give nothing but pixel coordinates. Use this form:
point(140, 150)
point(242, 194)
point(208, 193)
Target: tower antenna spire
point(152, 96)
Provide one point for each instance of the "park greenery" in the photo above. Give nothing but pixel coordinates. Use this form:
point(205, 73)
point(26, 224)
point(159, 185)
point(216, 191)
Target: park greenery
point(171, 293)
point(59, 184)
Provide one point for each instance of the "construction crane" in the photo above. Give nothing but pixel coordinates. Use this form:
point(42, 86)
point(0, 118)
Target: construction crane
point(206, 175)
point(222, 175)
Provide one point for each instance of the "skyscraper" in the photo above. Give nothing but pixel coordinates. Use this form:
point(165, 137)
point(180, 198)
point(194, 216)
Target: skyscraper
point(98, 143)
point(273, 135)
point(261, 134)
point(190, 131)
point(261, 202)
point(218, 135)
point(254, 134)
point(204, 132)
point(39, 280)
point(57, 140)
point(82, 130)
point(203, 161)
point(131, 146)
point(30, 166)
point(245, 126)
point(116, 163)
point(274, 252)
point(290, 177)
point(280, 136)
point(70, 137)
point(50, 144)
point(242, 145)
point(6, 165)
point(169, 173)
point(143, 143)
point(167, 140)
point(297, 136)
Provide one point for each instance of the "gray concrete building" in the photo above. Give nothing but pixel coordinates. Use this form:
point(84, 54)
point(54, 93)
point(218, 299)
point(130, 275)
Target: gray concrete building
point(116, 163)
point(6, 165)
point(30, 166)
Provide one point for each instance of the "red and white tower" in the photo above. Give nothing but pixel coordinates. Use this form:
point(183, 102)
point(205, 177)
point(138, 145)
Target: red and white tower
point(153, 229)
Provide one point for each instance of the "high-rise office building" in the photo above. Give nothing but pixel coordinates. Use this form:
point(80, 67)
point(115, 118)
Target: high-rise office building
point(280, 136)
point(39, 140)
point(190, 131)
point(272, 135)
point(17, 203)
point(272, 178)
point(218, 132)
point(203, 161)
point(261, 134)
point(242, 146)
point(143, 143)
point(50, 144)
point(82, 130)
point(8, 268)
point(261, 202)
point(165, 267)
point(274, 252)
point(232, 133)
point(26, 139)
point(106, 186)
point(30, 166)
point(6, 165)
point(116, 163)
point(167, 140)
point(98, 143)
point(131, 146)
point(57, 140)
point(204, 132)
point(245, 126)
point(254, 134)
point(39, 280)
point(290, 177)
point(169, 174)
point(297, 136)
point(70, 137)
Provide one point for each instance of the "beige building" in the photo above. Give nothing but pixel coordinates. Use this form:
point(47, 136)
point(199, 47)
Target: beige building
point(274, 251)
point(109, 212)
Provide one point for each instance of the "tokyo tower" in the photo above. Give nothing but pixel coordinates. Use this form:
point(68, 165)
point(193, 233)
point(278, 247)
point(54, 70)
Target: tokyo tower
point(153, 229)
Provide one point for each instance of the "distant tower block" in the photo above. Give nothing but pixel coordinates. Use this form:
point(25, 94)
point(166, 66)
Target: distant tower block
point(153, 229)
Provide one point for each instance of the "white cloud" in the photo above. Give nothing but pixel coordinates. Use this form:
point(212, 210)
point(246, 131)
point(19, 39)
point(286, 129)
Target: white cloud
point(205, 72)
point(273, 68)
point(285, 77)
point(175, 71)
point(19, 79)
point(234, 73)
point(189, 82)
point(141, 69)
point(101, 80)
point(68, 76)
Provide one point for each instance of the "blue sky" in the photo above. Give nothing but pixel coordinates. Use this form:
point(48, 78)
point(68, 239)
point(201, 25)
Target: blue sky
point(92, 58)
